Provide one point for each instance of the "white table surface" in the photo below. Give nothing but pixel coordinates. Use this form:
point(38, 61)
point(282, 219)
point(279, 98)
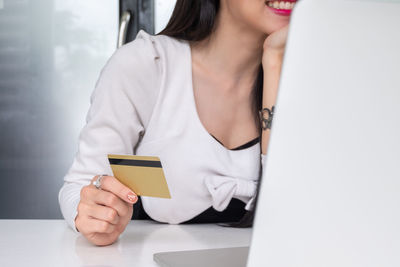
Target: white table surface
point(53, 243)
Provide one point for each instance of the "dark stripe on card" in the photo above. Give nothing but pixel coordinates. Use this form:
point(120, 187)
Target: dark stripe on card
point(135, 162)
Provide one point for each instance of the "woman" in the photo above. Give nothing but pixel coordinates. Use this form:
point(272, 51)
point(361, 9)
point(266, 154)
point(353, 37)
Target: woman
point(192, 96)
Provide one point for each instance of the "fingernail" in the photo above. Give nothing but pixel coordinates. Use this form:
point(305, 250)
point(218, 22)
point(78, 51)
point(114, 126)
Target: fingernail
point(132, 197)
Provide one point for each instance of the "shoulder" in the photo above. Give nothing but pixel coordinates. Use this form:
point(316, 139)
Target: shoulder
point(161, 44)
point(145, 56)
point(138, 69)
point(141, 54)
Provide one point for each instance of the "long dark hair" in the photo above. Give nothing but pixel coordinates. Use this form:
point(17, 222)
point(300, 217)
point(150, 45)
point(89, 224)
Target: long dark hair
point(194, 20)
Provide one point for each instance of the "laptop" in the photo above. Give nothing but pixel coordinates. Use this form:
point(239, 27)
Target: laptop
point(330, 194)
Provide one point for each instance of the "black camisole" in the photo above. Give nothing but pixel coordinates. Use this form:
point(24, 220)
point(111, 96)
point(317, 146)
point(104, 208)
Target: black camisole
point(233, 213)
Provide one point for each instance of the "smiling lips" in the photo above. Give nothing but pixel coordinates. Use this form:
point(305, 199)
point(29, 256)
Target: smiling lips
point(281, 7)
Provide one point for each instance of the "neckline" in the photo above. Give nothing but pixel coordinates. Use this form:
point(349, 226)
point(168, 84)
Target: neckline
point(243, 146)
point(196, 116)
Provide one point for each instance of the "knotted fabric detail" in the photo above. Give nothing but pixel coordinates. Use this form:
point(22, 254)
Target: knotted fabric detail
point(223, 188)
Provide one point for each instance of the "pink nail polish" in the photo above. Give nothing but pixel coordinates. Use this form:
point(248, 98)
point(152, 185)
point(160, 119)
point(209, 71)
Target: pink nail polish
point(132, 198)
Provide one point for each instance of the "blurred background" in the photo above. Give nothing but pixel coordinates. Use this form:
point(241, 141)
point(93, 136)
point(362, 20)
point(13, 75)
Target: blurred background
point(51, 54)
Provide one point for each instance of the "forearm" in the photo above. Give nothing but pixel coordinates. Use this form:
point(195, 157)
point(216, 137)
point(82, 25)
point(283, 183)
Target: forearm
point(272, 68)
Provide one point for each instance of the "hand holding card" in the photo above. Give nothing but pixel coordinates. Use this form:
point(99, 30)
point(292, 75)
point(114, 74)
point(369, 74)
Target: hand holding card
point(142, 174)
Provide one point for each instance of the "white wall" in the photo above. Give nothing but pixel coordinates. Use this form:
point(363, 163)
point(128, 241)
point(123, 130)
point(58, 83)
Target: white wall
point(51, 54)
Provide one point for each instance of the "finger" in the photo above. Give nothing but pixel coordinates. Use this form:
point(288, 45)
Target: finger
point(91, 196)
point(103, 239)
point(103, 213)
point(91, 225)
point(284, 33)
point(110, 200)
point(111, 184)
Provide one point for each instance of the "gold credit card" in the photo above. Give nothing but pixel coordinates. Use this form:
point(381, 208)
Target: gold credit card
point(142, 174)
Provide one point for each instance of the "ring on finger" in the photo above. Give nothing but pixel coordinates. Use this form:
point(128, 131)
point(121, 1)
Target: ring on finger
point(97, 182)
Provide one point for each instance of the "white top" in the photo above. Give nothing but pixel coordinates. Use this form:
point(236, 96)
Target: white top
point(143, 104)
